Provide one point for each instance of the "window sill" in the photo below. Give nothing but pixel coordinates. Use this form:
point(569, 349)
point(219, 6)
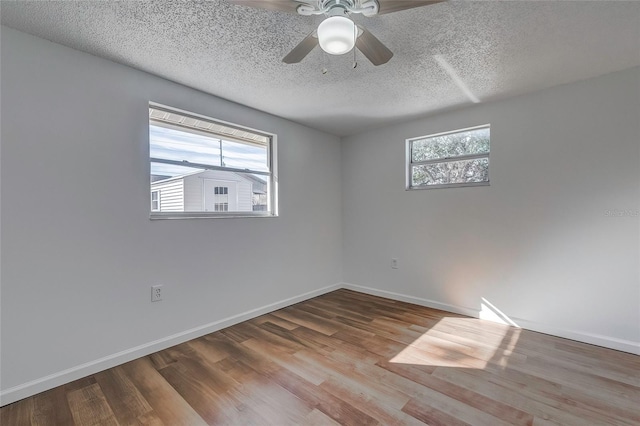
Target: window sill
point(448, 185)
point(208, 215)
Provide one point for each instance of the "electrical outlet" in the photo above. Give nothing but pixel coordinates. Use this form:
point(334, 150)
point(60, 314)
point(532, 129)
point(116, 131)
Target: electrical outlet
point(394, 263)
point(156, 293)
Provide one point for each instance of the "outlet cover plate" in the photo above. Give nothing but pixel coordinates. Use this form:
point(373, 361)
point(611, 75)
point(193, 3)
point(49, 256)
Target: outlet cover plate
point(156, 293)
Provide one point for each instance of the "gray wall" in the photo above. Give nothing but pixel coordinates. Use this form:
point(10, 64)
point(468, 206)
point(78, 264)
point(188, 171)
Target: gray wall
point(79, 252)
point(537, 243)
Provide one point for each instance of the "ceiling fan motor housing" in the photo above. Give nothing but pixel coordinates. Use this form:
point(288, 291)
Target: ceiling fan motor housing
point(339, 7)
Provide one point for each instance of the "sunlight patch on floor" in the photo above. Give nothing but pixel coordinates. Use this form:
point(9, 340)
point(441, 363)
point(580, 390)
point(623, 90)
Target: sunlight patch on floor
point(464, 342)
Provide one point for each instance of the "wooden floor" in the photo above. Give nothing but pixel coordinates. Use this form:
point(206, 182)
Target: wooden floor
point(350, 358)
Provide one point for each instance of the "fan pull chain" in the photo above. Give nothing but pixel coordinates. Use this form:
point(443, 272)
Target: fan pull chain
point(324, 69)
point(325, 63)
point(355, 39)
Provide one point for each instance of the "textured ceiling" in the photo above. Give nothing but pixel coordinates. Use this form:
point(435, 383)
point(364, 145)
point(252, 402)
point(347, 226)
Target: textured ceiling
point(446, 55)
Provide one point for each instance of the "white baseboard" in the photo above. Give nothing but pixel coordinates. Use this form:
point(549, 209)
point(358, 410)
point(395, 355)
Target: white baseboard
point(580, 336)
point(33, 387)
point(412, 299)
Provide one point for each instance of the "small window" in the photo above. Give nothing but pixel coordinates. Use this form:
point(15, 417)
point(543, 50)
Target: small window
point(452, 159)
point(207, 168)
point(221, 198)
point(155, 201)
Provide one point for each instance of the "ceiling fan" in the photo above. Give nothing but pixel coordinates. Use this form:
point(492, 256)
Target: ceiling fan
point(338, 34)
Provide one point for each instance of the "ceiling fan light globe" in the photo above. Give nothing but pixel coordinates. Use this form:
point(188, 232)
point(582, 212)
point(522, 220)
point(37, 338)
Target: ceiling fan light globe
point(336, 35)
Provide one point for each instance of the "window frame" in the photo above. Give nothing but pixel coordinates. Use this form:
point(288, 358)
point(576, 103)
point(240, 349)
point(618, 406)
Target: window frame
point(271, 176)
point(157, 200)
point(409, 164)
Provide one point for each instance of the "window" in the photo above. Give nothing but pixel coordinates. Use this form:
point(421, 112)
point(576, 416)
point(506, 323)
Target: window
point(207, 168)
point(452, 159)
point(221, 198)
point(155, 201)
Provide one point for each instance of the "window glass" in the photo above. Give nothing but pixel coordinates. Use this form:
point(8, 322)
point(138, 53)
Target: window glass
point(451, 145)
point(464, 171)
point(200, 167)
point(458, 158)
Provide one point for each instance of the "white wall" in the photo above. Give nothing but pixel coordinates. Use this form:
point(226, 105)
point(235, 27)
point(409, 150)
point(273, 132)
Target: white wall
point(537, 243)
point(79, 252)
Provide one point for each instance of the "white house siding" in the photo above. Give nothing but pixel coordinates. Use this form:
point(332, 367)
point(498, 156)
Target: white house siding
point(171, 195)
point(244, 196)
point(193, 190)
point(193, 195)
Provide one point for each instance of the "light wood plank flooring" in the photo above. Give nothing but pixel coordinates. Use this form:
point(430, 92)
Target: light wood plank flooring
point(353, 359)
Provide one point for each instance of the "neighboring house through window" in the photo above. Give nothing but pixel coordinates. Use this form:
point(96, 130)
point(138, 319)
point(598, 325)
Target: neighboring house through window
point(450, 159)
point(206, 168)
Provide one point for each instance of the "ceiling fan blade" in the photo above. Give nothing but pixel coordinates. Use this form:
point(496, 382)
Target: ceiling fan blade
point(389, 6)
point(302, 49)
point(373, 48)
point(282, 5)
